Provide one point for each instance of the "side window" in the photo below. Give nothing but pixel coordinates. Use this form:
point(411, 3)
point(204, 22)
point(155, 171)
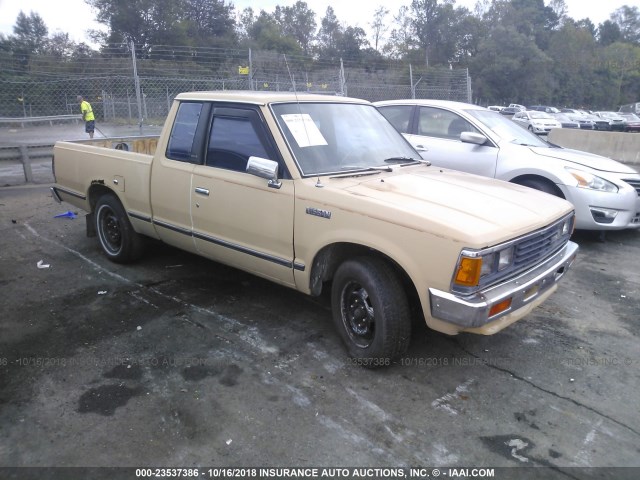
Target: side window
point(183, 133)
point(399, 116)
point(435, 122)
point(232, 141)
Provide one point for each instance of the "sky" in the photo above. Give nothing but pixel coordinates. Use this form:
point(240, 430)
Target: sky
point(75, 17)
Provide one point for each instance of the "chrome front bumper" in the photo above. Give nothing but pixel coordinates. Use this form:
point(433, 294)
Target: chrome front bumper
point(474, 310)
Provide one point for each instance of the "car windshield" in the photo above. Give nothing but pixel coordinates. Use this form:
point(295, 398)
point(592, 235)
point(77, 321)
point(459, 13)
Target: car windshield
point(631, 116)
point(506, 129)
point(327, 138)
point(539, 115)
point(562, 117)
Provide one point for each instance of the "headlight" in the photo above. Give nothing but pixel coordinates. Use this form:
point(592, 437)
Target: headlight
point(474, 266)
point(593, 182)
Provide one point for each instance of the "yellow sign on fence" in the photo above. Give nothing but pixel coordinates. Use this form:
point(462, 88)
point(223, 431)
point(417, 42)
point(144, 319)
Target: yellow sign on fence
point(243, 70)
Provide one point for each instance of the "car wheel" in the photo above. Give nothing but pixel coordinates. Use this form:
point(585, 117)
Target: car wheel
point(119, 241)
point(371, 311)
point(541, 184)
point(530, 128)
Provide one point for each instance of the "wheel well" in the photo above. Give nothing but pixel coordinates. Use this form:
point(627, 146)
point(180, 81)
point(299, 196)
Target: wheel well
point(552, 186)
point(327, 261)
point(95, 192)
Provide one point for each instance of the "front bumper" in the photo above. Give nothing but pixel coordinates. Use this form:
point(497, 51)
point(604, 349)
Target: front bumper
point(590, 204)
point(474, 311)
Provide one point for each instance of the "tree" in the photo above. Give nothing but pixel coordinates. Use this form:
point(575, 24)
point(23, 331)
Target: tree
point(573, 50)
point(29, 33)
point(628, 20)
point(328, 35)
point(264, 32)
point(209, 22)
point(166, 22)
point(297, 22)
point(60, 46)
point(622, 60)
point(440, 29)
point(351, 43)
point(519, 73)
point(608, 33)
point(402, 37)
point(379, 25)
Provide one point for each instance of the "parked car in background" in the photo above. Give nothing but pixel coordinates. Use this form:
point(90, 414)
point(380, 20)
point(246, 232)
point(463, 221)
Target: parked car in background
point(544, 108)
point(587, 120)
point(631, 121)
point(461, 136)
point(630, 108)
point(517, 105)
point(495, 108)
point(565, 121)
point(510, 111)
point(536, 122)
point(616, 122)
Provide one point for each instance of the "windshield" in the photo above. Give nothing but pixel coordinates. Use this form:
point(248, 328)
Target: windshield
point(540, 115)
point(340, 137)
point(506, 129)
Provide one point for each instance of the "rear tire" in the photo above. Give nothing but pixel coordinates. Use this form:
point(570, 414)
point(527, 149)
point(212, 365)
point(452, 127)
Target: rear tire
point(371, 311)
point(118, 240)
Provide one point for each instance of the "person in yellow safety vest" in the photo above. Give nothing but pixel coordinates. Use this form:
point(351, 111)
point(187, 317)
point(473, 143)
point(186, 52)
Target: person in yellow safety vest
point(87, 116)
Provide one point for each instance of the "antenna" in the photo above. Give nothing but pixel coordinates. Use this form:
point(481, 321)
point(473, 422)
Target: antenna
point(293, 81)
point(295, 92)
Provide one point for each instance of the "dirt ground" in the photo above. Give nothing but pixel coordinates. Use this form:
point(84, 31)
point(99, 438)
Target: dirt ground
point(180, 362)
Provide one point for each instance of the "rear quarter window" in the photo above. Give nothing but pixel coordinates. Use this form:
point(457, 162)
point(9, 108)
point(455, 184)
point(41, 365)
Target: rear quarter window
point(181, 141)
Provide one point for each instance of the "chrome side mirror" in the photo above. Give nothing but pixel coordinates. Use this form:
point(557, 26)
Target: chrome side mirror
point(264, 168)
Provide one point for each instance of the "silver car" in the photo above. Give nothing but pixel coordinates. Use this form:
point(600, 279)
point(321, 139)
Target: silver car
point(536, 122)
point(460, 136)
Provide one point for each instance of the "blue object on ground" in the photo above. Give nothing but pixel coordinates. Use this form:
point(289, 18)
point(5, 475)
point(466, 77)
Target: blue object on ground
point(67, 214)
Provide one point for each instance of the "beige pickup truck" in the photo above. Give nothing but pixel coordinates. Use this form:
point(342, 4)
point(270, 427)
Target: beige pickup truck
point(316, 192)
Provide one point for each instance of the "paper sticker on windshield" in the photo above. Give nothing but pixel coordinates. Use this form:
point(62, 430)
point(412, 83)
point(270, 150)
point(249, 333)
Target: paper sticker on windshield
point(304, 130)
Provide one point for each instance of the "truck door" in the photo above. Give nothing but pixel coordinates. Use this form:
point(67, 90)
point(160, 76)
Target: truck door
point(171, 175)
point(237, 218)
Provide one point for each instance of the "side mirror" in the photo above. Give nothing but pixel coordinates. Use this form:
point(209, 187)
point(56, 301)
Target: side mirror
point(471, 137)
point(264, 168)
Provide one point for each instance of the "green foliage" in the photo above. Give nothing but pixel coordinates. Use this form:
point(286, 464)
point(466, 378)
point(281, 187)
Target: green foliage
point(521, 51)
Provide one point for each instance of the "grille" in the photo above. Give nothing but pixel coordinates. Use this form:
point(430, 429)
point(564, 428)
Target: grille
point(529, 251)
point(537, 246)
point(634, 183)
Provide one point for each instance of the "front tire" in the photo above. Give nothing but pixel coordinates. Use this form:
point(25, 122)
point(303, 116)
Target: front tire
point(539, 184)
point(371, 311)
point(119, 241)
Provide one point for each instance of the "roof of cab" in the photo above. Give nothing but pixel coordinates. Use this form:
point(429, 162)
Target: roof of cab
point(263, 98)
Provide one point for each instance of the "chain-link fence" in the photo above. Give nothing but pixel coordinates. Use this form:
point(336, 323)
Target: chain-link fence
point(124, 88)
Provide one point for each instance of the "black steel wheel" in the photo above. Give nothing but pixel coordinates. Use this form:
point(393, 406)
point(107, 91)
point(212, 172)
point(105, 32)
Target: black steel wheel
point(371, 311)
point(119, 241)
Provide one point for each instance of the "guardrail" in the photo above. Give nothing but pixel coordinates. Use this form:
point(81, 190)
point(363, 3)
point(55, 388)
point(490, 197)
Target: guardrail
point(51, 119)
point(26, 153)
point(623, 147)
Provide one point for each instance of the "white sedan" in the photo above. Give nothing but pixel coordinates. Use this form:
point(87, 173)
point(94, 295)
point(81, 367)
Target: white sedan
point(461, 136)
point(536, 122)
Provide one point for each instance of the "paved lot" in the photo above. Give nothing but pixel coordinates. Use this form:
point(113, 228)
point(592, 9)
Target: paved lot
point(177, 361)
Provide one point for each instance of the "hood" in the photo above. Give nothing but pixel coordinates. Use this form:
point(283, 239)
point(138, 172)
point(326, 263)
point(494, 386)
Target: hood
point(476, 210)
point(585, 159)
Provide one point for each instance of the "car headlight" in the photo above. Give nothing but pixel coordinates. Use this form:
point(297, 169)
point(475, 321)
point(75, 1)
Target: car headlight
point(592, 182)
point(473, 266)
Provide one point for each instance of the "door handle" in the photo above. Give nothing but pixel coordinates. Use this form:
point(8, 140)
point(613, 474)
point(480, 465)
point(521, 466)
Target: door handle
point(202, 191)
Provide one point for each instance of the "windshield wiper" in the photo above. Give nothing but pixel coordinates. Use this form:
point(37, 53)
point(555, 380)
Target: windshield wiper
point(406, 160)
point(366, 169)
